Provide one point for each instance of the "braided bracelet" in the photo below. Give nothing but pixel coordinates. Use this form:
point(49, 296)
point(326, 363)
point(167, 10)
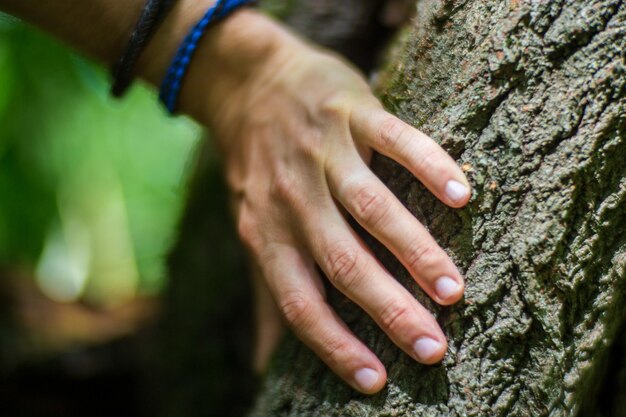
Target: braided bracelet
point(170, 88)
point(151, 17)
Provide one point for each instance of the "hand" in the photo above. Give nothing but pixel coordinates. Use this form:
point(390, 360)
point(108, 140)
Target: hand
point(297, 134)
point(297, 128)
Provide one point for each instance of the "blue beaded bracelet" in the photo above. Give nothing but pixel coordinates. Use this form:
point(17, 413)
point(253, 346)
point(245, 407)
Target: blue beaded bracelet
point(170, 88)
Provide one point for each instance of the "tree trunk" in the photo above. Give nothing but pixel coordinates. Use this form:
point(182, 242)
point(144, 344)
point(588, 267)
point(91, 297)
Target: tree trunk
point(530, 96)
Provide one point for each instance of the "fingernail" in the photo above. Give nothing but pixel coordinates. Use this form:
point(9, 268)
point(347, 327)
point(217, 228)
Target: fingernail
point(456, 191)
point(366, 378)
point(446, 288)
point(426, 348)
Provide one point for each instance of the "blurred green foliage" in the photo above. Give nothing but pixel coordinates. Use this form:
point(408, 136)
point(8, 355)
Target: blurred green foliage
point(90, 187)
point(277, 8)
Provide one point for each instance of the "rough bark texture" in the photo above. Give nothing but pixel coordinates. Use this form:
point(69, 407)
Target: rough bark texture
point(531, 97)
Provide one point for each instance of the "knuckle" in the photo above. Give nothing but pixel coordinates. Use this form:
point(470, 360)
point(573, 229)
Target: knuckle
point(297, 309)
point(337, 351)
point(394, 315)
point(419, 255)
point(311, 147)
point(369, 205)
point(247, 230)
point(283, 187)
point(342, 264)
point(336, 106)
point(427, 161)
point(390, 133)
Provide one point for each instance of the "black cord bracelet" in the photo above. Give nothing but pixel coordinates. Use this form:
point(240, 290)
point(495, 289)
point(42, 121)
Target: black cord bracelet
point(152, 15)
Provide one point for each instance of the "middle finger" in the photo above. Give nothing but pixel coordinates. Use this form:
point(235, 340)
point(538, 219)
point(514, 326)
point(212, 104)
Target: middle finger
point(349, 265)
point(375, 207)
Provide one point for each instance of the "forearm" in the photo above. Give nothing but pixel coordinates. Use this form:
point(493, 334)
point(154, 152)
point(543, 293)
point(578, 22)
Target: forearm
point(98, 28)
point(229, 53)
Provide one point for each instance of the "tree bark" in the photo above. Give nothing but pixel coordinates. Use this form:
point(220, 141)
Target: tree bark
point(530, 96)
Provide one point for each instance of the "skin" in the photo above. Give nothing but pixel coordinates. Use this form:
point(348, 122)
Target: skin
point(296, 127)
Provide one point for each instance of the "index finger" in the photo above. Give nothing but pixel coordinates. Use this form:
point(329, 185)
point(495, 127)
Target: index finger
point(390, 136)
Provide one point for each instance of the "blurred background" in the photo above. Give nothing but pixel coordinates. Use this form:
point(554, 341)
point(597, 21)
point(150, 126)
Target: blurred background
point(90, 187)
point(91, 191)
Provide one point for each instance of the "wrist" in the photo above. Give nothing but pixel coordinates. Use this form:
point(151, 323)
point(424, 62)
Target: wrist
point(229, 56)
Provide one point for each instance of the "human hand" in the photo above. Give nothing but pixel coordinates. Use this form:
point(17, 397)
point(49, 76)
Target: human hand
point(297, 128)
point(297, 133)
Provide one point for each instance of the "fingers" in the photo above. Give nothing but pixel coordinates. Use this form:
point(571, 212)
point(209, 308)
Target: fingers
point(414, 150)
point(368, 200)
point(294, 284)
point(269, 328)
point(351, 268)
